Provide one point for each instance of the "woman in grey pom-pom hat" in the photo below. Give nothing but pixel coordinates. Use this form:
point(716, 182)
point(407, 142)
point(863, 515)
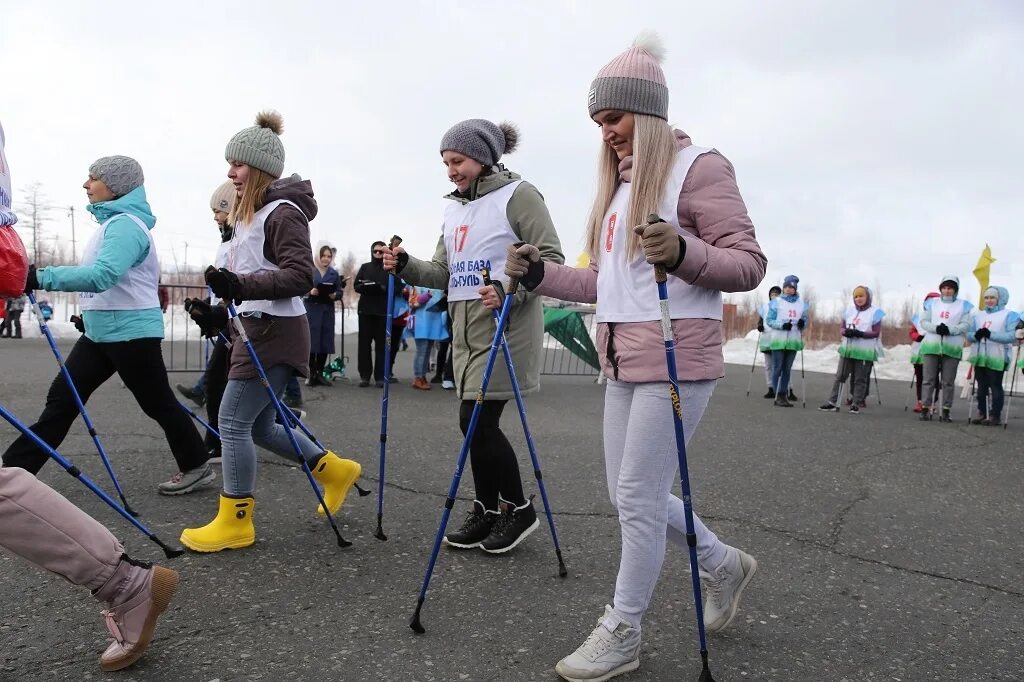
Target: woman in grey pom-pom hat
point(122, 325)
point(491, 208)
point(705, 240)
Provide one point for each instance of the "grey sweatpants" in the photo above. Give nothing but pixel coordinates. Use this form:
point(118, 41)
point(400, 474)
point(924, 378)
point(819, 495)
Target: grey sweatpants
point(38, 524)
point(861, 371)
point(641, 463)
point(931, 378)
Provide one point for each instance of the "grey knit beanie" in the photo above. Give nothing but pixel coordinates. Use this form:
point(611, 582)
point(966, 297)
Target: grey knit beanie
point(121, 174)
point(633, 81)
point(260, 145)
point(481, 140)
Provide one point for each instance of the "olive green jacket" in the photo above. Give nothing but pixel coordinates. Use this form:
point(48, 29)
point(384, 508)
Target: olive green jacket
point(472, 324)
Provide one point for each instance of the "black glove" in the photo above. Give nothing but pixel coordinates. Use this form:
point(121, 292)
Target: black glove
point(31, 282)
point(982, 333)
point(800, 324)
point(849, 333)
point(786, 326)
point(224, 283)
point(212, 319)
point(78, 322)
point(942, 329)
point(760, 325)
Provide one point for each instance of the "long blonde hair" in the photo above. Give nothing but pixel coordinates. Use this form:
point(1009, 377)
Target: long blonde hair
point(255, 187)
point(654, 152)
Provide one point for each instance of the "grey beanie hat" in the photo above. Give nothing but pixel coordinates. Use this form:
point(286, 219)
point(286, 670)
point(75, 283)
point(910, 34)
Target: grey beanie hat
point(260, 145)
point(633, 81)
point(481, 140)
point(121, 174)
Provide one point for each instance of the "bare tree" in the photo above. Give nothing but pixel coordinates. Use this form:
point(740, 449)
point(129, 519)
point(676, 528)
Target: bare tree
point(35, 209)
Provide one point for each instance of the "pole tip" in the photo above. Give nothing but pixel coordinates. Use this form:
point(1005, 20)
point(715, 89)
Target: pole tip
point(342, 542)
point(380, 534)
point(415, 624)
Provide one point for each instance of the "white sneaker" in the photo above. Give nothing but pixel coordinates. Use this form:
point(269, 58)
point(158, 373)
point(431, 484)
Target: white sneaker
point(448, 385)
point(613, 648)
point(724, 587)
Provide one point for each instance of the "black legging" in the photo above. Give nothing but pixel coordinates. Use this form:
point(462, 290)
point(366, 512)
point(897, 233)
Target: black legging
point(492, 459)
point(140, 364)
point(316, 367)
point(989, 381)
point(216, 381)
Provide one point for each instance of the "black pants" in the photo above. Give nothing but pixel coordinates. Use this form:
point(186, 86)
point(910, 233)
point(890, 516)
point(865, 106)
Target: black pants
point(216, 380)
point(371, 347)
point(989, 380)
point(444, 369)
point(12, 321)
point(316, 368)
point(140, 365)
point(494, 463)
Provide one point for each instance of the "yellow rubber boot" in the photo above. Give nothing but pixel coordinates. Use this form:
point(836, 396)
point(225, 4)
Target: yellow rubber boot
point(231, 529)
point(337, 476)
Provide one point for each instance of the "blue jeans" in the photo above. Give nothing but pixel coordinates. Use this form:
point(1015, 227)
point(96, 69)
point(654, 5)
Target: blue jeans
point(782, 365)
point(421, 364)
point(246, 420)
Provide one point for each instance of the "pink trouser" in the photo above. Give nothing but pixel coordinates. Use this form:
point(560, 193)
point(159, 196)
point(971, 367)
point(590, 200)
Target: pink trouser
point(38, 524)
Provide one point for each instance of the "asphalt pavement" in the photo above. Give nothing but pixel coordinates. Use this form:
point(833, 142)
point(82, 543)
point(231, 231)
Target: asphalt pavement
point(889, 549)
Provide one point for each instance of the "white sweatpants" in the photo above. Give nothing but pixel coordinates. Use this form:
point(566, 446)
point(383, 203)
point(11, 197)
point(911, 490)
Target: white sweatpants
point(641, 462)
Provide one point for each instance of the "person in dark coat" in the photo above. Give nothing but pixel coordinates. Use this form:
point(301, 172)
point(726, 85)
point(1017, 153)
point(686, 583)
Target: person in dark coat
point(327, 285)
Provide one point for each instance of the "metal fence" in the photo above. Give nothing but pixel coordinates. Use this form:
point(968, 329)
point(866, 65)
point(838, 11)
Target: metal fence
point(557, 358)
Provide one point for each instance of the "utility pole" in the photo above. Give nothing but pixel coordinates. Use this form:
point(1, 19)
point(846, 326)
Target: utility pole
point(186, 256)
point(74, 251)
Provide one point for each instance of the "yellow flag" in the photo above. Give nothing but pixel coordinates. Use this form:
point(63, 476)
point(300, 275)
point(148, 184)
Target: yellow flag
point(583, 261)
point(981, 272)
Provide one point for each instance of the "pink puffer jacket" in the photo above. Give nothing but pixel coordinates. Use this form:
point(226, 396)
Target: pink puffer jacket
point(722, 253)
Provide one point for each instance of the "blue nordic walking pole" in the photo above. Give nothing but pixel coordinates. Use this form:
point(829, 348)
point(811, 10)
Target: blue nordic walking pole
point(199, 420)
point(296, 423)
point(677, 415)
point(385, 397)
point(77, 473)
point(282, 414)
point(453, 489)
point(562, 572)
point(45, 329)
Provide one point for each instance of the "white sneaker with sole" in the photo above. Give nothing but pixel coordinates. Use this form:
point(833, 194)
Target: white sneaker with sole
point(185, 482)
point(612, 649)
point(724, 586)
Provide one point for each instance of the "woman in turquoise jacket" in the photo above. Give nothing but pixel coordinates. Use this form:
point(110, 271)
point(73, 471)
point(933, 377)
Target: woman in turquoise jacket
point(992, 331)
point(117, 284)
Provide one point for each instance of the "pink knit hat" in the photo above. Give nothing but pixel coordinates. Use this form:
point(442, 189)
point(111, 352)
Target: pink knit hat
point(633, 81)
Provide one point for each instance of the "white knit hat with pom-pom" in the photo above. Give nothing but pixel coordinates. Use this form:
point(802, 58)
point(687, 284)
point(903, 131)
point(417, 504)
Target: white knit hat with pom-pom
point(260, 145)
point(633, 81)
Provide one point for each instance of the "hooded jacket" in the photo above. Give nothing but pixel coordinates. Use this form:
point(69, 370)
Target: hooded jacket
point(124, 246)
point(722, 253)
point(371, 283)
point(993, 352)
point(953, 344)
point(280, 340)
point(472, 323)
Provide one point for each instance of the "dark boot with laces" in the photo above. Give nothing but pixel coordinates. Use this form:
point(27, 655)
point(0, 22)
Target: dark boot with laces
point(512, 528)
point(477, 526)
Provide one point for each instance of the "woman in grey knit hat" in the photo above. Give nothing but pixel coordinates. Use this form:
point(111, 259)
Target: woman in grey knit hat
point(269, 268)
point(490, 209)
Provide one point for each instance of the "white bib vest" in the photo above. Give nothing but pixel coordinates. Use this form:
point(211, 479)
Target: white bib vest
point(948, 314)
point(626, 290)
point(989, 353)
point(245, 256)
point(861, 320)
point(476, 236)
point(137, 289)
point(7, 216)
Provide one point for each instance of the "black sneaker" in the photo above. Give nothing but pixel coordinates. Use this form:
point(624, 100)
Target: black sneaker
point(770, 395)
point(926, 414)
point(475, 528)
point(854, 409)
point(792, 396)
point(781, 401)
point(195, 396)
point(944, 417)
point(829, 407)
point(512, 528)
point(363, 383)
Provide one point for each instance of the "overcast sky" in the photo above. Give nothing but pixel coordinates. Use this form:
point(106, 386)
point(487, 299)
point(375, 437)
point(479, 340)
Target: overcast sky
point(874, 142)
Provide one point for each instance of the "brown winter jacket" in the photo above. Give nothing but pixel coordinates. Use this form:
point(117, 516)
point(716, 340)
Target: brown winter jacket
point(722, 253)
point(280, 340)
